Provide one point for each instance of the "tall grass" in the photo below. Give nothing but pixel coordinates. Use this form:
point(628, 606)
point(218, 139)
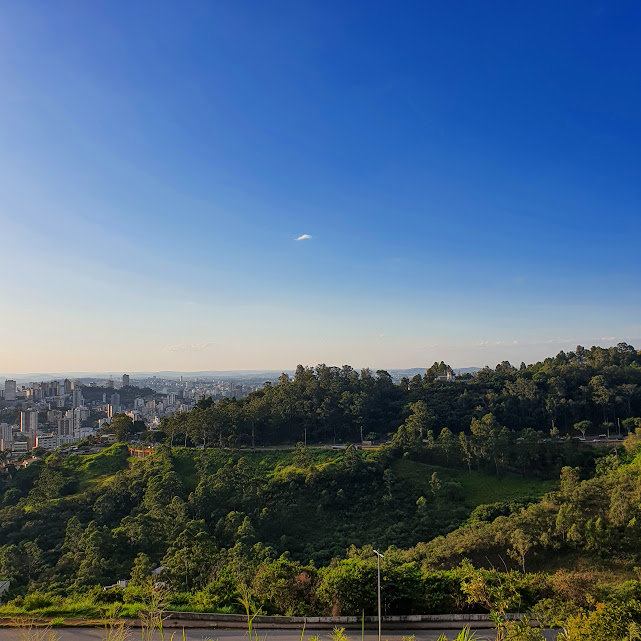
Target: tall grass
point(464, 635)
point(28, 630)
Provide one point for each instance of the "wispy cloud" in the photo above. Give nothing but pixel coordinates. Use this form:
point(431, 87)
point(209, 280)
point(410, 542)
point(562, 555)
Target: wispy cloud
point(187, 347)
point(304, 237)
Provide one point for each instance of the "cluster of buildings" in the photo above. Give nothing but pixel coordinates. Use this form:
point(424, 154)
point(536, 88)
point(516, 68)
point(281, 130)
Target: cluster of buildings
point(55, 413)
point(200, 387)
point(51, 414)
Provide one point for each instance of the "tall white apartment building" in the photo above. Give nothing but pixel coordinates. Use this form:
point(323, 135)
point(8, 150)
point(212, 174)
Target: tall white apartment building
point(47, 441)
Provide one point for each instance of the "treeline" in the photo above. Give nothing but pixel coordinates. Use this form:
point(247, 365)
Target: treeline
point(491, 447)
point(598, 388)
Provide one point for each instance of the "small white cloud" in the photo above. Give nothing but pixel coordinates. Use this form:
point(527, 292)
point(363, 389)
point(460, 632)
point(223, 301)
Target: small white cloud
point(381, 336)
point(187, 347)
point(304, 237)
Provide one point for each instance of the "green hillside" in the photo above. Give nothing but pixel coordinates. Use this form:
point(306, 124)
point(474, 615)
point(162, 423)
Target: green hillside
point(295, 530)
point(310, 503)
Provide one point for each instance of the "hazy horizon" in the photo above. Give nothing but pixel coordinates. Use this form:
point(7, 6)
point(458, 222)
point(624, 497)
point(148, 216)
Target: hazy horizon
point(505, 350)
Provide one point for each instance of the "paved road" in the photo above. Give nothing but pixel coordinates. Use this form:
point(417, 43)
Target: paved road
point(97, 634)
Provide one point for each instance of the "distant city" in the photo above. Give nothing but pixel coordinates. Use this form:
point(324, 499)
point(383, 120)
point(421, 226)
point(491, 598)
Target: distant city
point(50, 414)
point(54, 413)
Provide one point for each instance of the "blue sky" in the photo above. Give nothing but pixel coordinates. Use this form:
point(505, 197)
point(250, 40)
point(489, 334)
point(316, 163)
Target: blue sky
point(469, 174)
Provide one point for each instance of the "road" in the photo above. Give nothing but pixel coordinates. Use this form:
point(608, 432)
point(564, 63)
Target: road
point(98, 634)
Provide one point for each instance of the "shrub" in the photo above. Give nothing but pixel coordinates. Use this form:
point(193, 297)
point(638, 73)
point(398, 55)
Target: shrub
point(37, 600)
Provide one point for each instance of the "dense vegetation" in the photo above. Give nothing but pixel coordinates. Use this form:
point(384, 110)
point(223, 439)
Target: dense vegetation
point(471, 519)
point(127, 394)
point(312, 504)
point(332, 404)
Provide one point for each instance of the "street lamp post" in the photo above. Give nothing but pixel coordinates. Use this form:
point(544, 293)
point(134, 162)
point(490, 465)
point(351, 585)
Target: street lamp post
point(379, 556)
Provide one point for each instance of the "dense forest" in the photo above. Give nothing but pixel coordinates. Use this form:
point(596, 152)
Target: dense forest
point(599, 388)
point(479, 499)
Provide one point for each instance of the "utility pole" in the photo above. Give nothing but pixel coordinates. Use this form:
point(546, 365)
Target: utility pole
point(379, 556)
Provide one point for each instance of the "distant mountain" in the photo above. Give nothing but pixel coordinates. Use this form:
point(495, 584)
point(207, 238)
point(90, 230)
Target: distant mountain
point(467, 370)
point(267, 375)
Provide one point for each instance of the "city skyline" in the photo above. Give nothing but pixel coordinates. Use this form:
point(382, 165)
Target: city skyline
point(374, 185)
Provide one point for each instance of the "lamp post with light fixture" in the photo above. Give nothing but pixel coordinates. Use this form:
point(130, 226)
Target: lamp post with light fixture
point(379, 556)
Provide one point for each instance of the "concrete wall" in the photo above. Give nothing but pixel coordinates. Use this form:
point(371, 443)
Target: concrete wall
point(406, 622)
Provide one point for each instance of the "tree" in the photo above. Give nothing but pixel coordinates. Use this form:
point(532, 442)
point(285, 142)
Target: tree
point(420, 419)
point(583, 427)
point(630, 424)
point(302, 456)
point(48, 485)
point(349, 587)
point(466, 449)
point(352, 460)
point(607, 426)
point(122, 426)
point(448, 445)
point(490, 440)
point(522, 543)
point(141, 576)
point(287, 585)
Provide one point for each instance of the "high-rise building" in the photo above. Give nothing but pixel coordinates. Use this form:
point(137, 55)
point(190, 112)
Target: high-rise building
point(110, 383)
point(29, 422)
point(66, 425)
point(115, 402)
point(53, 416)
point(125, 380)
point(9, 390)
point(67, 386)
point(77, 400)
point(6, 437)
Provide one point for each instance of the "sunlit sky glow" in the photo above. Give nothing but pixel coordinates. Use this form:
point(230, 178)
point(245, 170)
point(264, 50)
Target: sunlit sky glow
point(232, 185)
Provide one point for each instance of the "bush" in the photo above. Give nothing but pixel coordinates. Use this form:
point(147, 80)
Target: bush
point(100, 596)
point(608, 622)
point(37, 600)
point(553, 613)
point(443, 593)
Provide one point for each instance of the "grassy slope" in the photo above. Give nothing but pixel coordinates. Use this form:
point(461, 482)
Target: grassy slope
point(478, 488)
point(93, 469)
